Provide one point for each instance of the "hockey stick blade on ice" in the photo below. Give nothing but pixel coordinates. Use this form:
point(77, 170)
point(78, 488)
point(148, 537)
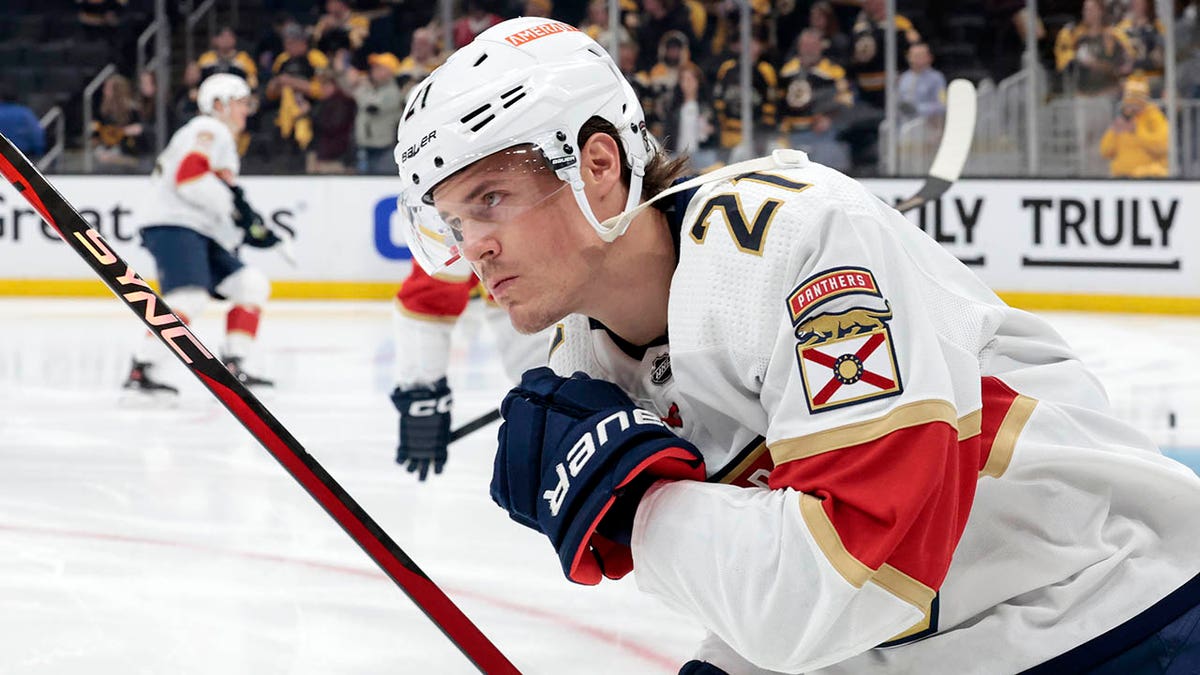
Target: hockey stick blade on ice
point(164, 323)
point(958, 131)
point(957, 134)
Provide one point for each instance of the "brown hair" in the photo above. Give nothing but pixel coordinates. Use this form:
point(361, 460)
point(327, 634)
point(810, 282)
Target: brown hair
point(661, 169)
point(118, 108)
point(832, 26)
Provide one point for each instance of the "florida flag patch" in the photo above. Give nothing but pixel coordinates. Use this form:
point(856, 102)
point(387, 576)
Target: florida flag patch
point(845, 357)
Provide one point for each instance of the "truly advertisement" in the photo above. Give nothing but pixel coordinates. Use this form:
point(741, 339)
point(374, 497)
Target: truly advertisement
point(1103, 238)
point(1062, 236)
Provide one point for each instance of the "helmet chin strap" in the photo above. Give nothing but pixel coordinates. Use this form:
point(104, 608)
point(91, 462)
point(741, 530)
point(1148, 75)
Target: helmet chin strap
point(609, 230)
point(618, 224)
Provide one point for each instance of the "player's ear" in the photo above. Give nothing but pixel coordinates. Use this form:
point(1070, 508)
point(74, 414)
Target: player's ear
point(601, 164)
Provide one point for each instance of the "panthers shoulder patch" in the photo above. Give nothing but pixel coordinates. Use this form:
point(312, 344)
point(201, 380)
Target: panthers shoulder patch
point(845, 356)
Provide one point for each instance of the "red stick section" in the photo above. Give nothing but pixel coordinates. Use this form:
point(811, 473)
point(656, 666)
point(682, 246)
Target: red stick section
point(169, 327)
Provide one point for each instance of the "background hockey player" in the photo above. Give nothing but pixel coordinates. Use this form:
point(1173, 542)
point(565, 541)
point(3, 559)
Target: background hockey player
point(196, 218)
point(426, 312)
point(851, 456)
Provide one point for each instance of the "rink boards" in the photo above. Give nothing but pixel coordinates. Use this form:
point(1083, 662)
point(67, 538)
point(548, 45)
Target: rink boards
point(1042, 244)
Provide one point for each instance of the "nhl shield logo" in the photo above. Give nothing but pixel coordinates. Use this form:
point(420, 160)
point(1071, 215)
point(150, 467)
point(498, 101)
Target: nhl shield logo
point(660, 369)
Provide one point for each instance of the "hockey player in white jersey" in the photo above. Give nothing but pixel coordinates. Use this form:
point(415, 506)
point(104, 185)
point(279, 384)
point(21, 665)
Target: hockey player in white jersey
point(196, 218)
point(795, 416)
point(425, 313)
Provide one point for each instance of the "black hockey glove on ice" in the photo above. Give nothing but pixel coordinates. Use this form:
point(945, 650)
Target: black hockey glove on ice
point(424, 426)
point(258, 234)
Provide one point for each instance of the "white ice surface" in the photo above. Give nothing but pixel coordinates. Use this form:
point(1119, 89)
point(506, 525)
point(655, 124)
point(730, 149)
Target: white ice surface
point(165, 540)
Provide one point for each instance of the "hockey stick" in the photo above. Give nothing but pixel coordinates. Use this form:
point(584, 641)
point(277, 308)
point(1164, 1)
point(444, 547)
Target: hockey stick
point(475, 424)
point(261, 424)
point(957, 134)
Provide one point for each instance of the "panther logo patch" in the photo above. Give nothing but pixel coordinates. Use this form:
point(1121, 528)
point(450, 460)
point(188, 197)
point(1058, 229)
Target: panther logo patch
point(845, 357)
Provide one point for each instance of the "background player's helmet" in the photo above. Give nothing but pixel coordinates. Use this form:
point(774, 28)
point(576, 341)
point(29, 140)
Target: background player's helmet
point(223, 87)
point(524, 82)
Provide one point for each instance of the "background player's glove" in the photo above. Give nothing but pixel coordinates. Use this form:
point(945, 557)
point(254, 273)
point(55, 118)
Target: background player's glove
point(424, 426)
point(258, 234)
point(576, 455)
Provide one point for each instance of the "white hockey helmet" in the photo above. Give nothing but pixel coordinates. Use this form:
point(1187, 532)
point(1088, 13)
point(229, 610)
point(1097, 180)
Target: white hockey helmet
point(223, 87)
point(524, 82)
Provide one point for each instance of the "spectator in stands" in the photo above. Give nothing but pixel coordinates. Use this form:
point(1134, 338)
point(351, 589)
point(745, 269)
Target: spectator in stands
point(815, 96)
point(727, 100)
point(117, 132)
point(421, 60)
point(1187, 50)
point(1092, 55)
point(340, 29)
point(294, 87)
point(333, 127)
point(99, 17)
point(1003, 48)
point(147, 104)
point(185, 106)
point(476, 19)
point(540, 8)
point(693, 131)
point(270, 44)
point(224, 57)
point(380, 107)
point(921, 88)
point(1144, 32)
point(659, 18)
point(1136, 142)
point(661, 82)
point(834, 43)
point(20, 125)
point(867, 62)
point(597, 20)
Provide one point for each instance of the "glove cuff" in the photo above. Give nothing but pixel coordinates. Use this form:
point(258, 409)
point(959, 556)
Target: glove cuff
point(607, 553)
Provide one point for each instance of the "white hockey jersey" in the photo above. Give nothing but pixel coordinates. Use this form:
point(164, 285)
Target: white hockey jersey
point(190, 182)
point(905, 474)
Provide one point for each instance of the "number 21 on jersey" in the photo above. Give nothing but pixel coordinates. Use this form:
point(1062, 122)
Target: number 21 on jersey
point(749, 234)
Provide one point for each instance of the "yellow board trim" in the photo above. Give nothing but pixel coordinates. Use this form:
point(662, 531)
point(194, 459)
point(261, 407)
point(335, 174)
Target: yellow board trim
point(1139, 304)
point(1006, 436)
point(383, 290)
point(905, 416)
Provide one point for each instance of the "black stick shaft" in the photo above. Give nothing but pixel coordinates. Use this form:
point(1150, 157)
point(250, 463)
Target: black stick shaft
point(475, 424)
point(159, 318)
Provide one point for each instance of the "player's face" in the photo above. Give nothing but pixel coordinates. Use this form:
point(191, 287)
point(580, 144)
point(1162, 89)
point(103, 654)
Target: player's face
point(525, 236)
point(235, 114)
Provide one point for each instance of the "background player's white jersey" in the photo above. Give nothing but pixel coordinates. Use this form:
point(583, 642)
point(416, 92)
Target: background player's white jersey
point(948, 491)
point(187, 189)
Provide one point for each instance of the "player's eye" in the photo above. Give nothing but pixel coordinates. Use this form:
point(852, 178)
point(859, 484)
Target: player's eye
point(492, 199)
point(485, 208)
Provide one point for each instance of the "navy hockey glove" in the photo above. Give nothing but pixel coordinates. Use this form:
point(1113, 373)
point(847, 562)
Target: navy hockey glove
point(424, 426)
point(695, 667)
point(575, 457)
point(258, 234)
